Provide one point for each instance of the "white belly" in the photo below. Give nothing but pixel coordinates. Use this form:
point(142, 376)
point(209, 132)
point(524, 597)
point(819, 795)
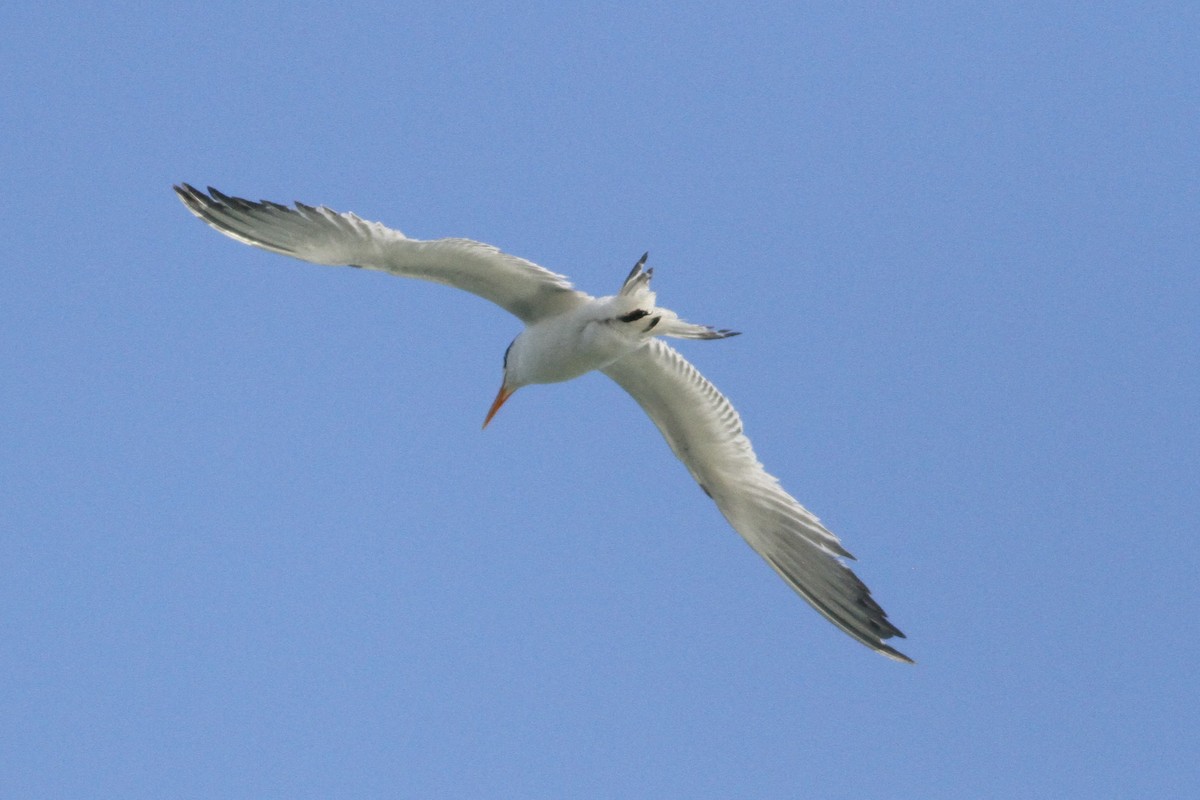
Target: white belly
point(566, 347)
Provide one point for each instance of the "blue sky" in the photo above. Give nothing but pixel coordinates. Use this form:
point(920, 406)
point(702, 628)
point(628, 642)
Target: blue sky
point(255, 544)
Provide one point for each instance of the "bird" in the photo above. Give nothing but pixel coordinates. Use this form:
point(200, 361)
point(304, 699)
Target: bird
point(569, 333)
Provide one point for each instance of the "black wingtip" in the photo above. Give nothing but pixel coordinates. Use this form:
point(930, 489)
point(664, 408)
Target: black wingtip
point(191, 198)
point(896, 655)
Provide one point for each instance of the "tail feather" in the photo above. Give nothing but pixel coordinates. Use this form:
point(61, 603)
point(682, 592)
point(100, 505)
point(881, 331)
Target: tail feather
point(638, 278)
point(662, 322)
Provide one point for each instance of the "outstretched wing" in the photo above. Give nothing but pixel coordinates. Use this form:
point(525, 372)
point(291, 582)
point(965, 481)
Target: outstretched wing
point(324, 236)
point(705, 432)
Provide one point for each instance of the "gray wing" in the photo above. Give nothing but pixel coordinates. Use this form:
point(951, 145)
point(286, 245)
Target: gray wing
point(324, 236)
point(705, 432)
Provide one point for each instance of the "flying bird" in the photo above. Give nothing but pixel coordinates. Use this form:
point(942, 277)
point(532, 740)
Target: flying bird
point(569, 333)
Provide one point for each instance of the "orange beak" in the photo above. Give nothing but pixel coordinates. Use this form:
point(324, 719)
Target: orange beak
point(501, 396)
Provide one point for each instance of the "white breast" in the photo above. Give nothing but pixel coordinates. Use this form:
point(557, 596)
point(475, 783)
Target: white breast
point(572, 344)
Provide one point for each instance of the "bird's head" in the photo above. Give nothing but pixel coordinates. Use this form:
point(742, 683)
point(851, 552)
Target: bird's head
point(512, 381)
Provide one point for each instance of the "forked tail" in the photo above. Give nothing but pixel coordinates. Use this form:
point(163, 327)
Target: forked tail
point(660, 321)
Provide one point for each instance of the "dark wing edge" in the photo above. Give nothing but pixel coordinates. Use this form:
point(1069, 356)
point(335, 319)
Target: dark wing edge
point(320, 235)
point(705, 432)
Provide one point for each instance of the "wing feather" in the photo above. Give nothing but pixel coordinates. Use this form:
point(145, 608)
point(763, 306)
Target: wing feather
point(705, 432)
point(323, 236)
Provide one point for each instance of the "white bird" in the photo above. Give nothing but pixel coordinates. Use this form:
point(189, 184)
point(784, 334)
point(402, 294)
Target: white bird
point(569, 333)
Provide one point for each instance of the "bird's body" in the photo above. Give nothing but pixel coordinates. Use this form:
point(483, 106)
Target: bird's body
point(573, 343)
point(569, 333)
point(597, 332)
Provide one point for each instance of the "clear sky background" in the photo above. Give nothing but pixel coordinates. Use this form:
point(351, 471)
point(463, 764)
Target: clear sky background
point(254, 544)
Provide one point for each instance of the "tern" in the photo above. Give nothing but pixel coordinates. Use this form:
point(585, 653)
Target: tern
point(569, 333)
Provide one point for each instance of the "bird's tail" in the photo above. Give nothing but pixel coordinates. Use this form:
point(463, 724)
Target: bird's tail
point(638, 279)
point(660, 321)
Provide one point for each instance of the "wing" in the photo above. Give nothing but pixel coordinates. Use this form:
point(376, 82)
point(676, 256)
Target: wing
point(324, 236)
point(705, 432)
